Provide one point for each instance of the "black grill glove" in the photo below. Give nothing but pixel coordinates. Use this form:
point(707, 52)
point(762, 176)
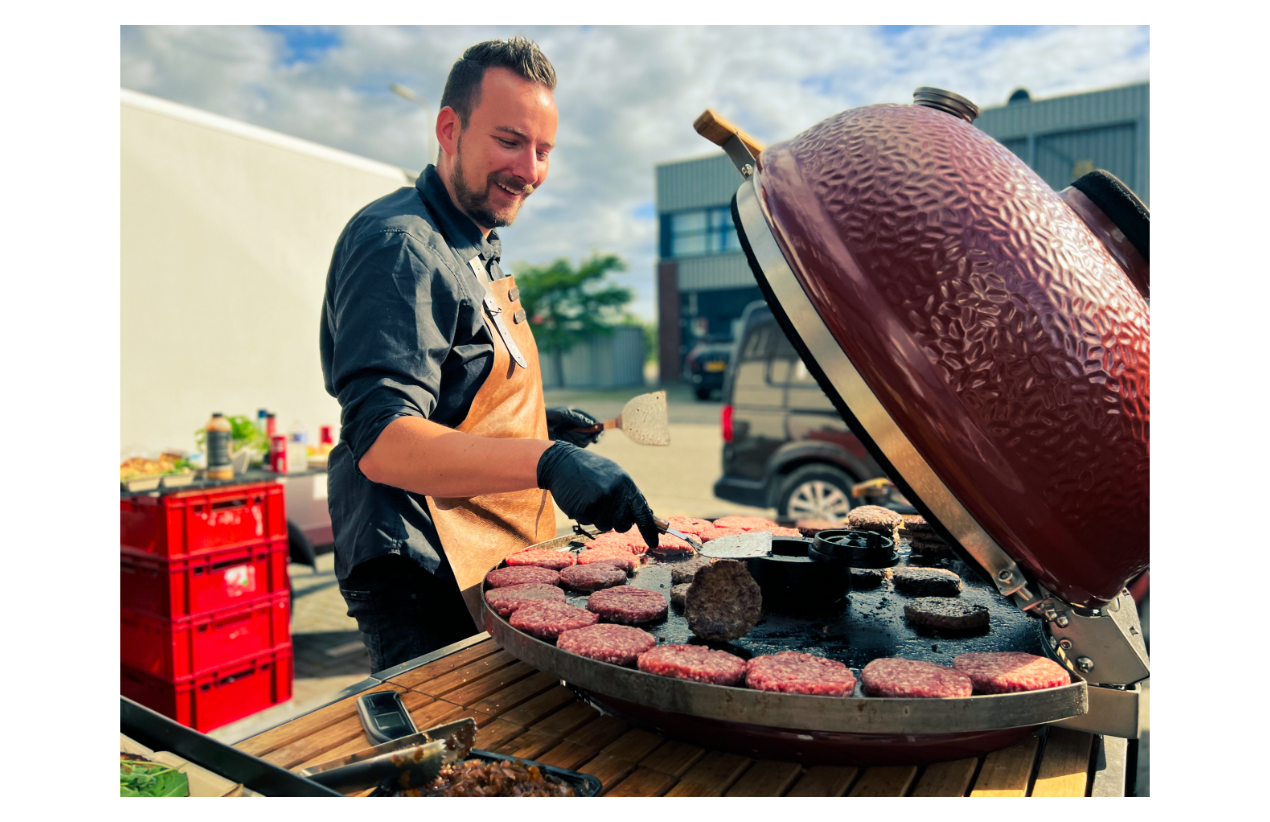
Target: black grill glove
point(562, 421)
point(595, 491)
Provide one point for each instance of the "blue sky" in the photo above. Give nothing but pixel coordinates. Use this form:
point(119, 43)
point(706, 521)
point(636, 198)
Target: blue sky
point(627, 96)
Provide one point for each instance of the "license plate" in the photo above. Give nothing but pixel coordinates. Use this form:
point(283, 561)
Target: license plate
point(716, 365)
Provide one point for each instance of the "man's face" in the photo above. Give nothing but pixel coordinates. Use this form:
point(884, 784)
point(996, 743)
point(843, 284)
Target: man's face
point(501, 157)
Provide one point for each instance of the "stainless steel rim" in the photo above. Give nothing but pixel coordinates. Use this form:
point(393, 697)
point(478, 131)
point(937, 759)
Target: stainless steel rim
point(817, 499)
point(864, 715)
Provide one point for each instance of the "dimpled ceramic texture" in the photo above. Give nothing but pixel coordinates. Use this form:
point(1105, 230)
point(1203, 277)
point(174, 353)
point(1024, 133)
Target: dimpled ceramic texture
point(1006, 342)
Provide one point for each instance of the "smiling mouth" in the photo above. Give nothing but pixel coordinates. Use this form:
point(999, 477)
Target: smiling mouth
point(524, 192)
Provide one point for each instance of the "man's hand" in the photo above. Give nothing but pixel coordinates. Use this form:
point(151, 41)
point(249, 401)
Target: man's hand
point(562, 421)
point(595, 491)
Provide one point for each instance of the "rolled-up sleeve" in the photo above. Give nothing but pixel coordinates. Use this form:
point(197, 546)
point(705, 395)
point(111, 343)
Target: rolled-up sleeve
point(389, 317)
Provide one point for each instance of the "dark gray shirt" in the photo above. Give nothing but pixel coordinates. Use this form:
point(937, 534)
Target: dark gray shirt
point(403, 334)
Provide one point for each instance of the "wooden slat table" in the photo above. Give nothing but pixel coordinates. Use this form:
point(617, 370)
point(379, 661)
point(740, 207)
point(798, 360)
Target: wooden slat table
point(523, 712)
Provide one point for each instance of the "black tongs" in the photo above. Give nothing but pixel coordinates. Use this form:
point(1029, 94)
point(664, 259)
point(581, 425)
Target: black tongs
point(412, 761)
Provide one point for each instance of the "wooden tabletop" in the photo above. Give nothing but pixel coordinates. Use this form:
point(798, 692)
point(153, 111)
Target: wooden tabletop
point(523, 712)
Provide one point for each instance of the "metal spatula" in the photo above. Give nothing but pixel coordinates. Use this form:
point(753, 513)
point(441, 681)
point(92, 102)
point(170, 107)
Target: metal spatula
point(643, 419)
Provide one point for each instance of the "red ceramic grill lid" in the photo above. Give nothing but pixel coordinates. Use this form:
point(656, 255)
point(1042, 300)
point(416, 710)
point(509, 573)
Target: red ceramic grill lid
point(1006, 351)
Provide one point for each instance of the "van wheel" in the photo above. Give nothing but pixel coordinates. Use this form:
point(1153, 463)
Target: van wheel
point(815, 492)
point(703, 393)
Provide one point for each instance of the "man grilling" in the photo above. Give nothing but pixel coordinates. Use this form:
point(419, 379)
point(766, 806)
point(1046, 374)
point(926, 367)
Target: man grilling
point(446, 461)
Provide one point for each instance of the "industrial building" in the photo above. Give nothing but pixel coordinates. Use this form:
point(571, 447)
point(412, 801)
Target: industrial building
point(704, 282)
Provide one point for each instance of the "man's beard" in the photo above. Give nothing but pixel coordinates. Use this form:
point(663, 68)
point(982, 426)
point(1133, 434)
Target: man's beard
point(476, 203)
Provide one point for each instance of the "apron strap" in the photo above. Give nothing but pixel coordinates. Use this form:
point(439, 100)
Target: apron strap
point(496, 314)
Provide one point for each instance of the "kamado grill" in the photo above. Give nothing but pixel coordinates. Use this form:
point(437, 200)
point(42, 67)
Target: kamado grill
point(988, 339)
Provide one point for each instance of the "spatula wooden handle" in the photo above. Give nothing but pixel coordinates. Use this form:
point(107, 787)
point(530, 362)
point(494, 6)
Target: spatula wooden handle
point(718, 130)
point(595, 429)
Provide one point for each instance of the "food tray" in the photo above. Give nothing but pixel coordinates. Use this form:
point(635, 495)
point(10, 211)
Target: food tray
point(148, 483)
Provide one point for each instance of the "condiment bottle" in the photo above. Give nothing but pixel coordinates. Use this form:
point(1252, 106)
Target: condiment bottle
point(219, 433)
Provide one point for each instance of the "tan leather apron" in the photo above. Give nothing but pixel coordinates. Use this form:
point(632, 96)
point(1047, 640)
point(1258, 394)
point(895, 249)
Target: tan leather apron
point(477, 532)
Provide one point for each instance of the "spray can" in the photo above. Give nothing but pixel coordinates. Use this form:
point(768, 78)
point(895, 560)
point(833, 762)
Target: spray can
point(219, 432)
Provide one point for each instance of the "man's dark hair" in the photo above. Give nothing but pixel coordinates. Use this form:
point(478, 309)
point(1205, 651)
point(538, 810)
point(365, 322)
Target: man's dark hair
point(463, 86)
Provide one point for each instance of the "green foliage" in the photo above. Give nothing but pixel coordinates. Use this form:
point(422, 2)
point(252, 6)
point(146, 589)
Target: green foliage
point(138, 778)
point(567, 305)
point(243, 432)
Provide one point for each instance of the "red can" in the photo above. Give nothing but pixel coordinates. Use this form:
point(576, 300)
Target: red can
point(278, 453)
point(326, 438)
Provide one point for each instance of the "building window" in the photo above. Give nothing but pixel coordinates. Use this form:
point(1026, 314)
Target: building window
point(702, 231)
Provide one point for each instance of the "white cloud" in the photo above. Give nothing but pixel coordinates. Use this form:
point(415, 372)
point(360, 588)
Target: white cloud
point(627, 97)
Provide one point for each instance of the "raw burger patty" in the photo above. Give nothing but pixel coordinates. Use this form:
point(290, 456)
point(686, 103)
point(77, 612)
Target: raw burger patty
point(689, 525)
point(911, 678)
point(521, 575)
point(874, 518)
point(616, 644)
point(618, 542)
point(946, 613)
point(668, 545)
point(786, 532)
point(678, 595)
point(792, 672)
point(592, 576)
point(1005, 672)
point(926, 582)
point(628, 605)
point(723, 601)
point(746, 523)
point(694, 662)
point(708, 534)
point(865, 579)
point(547, 620)
point(684, 571)
point(506, 600)
point(542, 557)
point(614, 556)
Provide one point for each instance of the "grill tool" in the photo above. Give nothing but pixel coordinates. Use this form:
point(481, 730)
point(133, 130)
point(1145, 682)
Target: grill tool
point(643, 420)
point(665, 528)
point(409, 762)
point(662, 526)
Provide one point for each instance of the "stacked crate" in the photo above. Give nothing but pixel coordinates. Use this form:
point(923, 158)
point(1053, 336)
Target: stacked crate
point(204, 603)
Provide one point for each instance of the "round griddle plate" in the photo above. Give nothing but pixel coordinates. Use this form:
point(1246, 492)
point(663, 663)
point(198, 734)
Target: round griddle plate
point(867, 626)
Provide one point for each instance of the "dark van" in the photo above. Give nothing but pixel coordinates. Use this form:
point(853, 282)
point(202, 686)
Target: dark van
point(785, 446)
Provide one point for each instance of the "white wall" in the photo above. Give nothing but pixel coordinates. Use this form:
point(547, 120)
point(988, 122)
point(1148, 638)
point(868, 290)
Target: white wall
point(226, 234)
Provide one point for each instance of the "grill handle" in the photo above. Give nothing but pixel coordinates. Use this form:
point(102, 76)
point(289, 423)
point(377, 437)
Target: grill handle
point(719, 131)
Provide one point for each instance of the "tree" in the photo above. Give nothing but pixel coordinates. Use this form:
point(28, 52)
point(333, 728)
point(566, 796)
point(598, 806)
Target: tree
point(567, 306)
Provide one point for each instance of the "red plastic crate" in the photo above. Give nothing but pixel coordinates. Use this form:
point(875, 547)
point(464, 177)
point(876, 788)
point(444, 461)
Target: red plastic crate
point(177, 525)
point(200, 584)
point(170, 648)
point(209, 699)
